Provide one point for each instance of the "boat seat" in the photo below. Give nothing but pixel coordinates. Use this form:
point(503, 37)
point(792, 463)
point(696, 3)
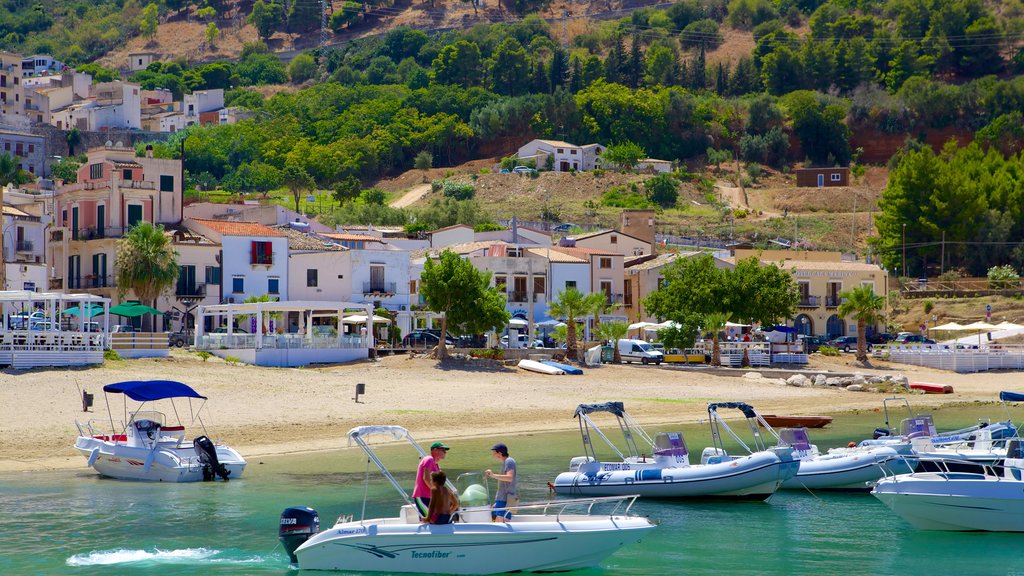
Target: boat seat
point(410, 515)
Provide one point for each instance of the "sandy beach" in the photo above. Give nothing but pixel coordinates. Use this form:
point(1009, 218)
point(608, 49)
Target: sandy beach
point(267, 411)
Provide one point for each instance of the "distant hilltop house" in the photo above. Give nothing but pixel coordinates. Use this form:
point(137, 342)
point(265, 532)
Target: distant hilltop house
point(565, 156)
point(822, 177)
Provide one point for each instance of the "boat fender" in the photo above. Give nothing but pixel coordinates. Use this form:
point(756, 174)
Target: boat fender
point(298, 524)
point(207, 454)
point(93, 456)
point(149, 459)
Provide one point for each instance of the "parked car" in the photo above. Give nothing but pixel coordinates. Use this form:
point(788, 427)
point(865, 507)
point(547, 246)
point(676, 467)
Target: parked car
point(522, 169)
point(563, 228)
point(913, 339)
point(813, 343)
point(846, 343)
point(880, 338)
point(178, 339)
point(471, 341)
point(224, 330)
point(524, 342)
point(90, 327)
point(122, 328)
point(423, 339)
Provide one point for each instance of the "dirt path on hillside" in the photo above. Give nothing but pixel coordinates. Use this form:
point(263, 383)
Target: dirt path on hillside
point(732, 194)
point(412, 196)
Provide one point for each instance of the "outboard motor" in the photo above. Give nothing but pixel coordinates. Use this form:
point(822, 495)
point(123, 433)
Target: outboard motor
point(207, 453)
point(879, 432)
point(298, 524)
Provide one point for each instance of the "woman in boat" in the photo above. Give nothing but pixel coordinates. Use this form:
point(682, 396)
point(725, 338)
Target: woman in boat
point(424, 482)
point(443, 502)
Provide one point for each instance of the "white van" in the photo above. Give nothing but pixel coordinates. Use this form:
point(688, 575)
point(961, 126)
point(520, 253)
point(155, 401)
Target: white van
point(638, 350)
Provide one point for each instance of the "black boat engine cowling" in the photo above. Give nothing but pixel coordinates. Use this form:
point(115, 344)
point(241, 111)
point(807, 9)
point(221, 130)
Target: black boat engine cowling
point(298, 524)
point(207, 453)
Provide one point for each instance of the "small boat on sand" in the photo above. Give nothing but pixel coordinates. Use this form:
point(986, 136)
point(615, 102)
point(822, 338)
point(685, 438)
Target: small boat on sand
point(930, 388)
point(147, 447)
point(551, 536)
point(797, 421)
point(540, 367)
point(567, 368)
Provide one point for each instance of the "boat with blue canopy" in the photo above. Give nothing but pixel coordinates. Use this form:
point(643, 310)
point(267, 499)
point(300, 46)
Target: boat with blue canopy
point(144, 445)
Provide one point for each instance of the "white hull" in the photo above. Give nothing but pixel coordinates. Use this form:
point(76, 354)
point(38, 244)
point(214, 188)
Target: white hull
point(534, 366)
point(528, 543)
point(931, 501)
point(754, 477)
point(167, 462)
point(858, 469)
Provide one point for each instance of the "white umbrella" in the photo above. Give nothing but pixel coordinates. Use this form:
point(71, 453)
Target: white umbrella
point(949, 326)
point(980, 326)
point(518, 323)
point(735, 325)
point(640, 325)
point(552, 323)
point(361, 319)
point(1004, 325)
point(668, 324)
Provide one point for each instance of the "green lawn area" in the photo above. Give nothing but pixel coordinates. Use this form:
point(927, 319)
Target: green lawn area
point(323, 200)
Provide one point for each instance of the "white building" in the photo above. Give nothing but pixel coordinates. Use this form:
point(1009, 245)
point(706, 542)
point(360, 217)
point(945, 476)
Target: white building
point(199, 278)
point(318, 269)
point(41, 65)
point(254, 258)
point(202, 101)
point(141, 60)
point(111, 105)
point(24, 240)
point(566, 156)
point(266, 214)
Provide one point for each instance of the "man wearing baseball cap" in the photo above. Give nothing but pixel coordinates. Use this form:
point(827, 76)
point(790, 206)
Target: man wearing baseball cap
point(424, 482)
point(506, 498)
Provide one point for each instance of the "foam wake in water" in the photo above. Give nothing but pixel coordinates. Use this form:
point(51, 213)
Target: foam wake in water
point(157, 556)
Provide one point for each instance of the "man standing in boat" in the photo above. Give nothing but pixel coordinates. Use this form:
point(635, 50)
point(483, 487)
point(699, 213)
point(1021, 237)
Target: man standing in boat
point(507, 496)
point(424, 479)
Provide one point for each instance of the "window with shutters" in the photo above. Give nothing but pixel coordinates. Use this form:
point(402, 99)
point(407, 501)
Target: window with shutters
point(312, 277)
point(95, 171)
point(262, 253)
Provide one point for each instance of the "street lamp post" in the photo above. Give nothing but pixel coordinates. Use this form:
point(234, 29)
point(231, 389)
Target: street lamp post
point(904, 249)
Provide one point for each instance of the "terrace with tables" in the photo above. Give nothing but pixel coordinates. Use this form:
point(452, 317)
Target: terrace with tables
point(50, 329)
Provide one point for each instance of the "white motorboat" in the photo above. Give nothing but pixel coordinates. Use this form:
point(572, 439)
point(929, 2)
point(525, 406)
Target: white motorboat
point(947, 500)
point(146, 447)
point(660, 467)
point(549, 536)
point(856, 468)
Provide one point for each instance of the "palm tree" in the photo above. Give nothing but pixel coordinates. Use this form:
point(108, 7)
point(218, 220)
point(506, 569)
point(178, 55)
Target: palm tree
point(614, 331)
point(714, 323)
point(865, 306)
point(570, 304)
point(146, 263)
point(597, 303)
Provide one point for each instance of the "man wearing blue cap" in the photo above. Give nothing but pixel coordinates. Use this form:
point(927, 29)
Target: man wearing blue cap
point(506, 497)
point(424, 481)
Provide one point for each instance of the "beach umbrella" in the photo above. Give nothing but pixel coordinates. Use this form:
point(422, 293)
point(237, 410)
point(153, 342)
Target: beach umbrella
point(90, 310)
point(361, 319)
point(518, 323)
point(952, 326)
point(1004, 325)
point(133, 309)
point(551, 323)
point(640, 325)
point(983, 326)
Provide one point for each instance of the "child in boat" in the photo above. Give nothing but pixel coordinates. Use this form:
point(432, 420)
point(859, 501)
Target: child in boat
point(443, 502)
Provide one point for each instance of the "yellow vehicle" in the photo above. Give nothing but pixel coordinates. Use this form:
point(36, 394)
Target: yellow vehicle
point(686, 356)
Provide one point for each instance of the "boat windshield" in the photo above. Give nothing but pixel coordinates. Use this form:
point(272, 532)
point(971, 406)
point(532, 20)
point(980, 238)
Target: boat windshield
point(918, 427)
point(795, 437)
point(670, 444)
point(1014, 449)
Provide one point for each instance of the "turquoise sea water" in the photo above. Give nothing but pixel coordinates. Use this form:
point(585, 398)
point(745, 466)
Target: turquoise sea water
point(74, 522)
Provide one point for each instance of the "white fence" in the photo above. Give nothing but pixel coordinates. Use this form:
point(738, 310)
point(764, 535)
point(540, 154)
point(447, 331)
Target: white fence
point(960, 359)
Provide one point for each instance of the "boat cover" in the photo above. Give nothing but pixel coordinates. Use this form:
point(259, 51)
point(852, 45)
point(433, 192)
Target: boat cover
point(616, 408)
point(1011, 396)
point(147, 390)
point(747, 409)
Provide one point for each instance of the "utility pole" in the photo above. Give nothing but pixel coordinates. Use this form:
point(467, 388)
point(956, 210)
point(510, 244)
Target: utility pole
point(853, 224)
point(324, 33)
point(942, 259)
point(904, 249)
point(3, 264)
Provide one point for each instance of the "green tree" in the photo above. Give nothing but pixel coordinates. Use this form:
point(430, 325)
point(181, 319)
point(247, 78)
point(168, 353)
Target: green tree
point(819, 123)
point(349, 13)
point(303, 16)
point(146, 263)
point(613, 332)
point(9, 171)
point(267, 17)
point(663, 190)
point(866, 308)
point(149, 21)
point(1001, 277)
point(297, 180)
point(74, 138)
point(451, 286)
point(423, 161)
point(458, 63)
point(570, 304)
point(713, 323)
point(66, 170)
point(211, 34)
point(509, 68)
point(302, 68)
point(624, 155)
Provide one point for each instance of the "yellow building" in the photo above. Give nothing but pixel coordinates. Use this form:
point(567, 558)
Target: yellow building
point(821, 277)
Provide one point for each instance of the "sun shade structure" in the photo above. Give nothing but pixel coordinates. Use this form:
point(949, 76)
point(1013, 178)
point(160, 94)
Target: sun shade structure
point(148, 390)
point(980, 326)
point(952, 326)
point(1008, 326)
point(90, 310)
point(361, 319)
point(133, 309)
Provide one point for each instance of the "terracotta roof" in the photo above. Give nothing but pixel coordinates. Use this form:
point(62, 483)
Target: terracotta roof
point(584, 252)
point(538, 231)
point(126, 164)
point(558, 256)
point(818, 265)
point(603, 232)
point(452, 227)
point(353, 237)
point(230, 228)
point(14, 211)
point(468, 247)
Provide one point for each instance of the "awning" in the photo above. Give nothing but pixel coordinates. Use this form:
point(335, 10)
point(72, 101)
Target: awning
point(146, 390)
point(361, 319)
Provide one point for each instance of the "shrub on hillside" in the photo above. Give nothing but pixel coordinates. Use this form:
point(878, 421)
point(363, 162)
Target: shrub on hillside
point(620, 197)
point(458, 190)
point(1003, 277)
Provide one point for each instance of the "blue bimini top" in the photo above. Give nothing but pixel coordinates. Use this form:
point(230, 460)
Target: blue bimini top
point(146, 390)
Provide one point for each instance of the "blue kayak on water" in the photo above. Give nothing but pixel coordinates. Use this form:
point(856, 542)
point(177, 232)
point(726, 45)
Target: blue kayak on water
point(567, 368)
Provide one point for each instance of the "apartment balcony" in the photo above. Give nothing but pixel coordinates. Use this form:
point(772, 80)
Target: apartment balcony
point(518, 296)
point(25, 246)
point(379, 288)
point(809, 302)
point(56, 284)
point(92, 281)
point(190, 290)
point(99, 232)
point(833, 301)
